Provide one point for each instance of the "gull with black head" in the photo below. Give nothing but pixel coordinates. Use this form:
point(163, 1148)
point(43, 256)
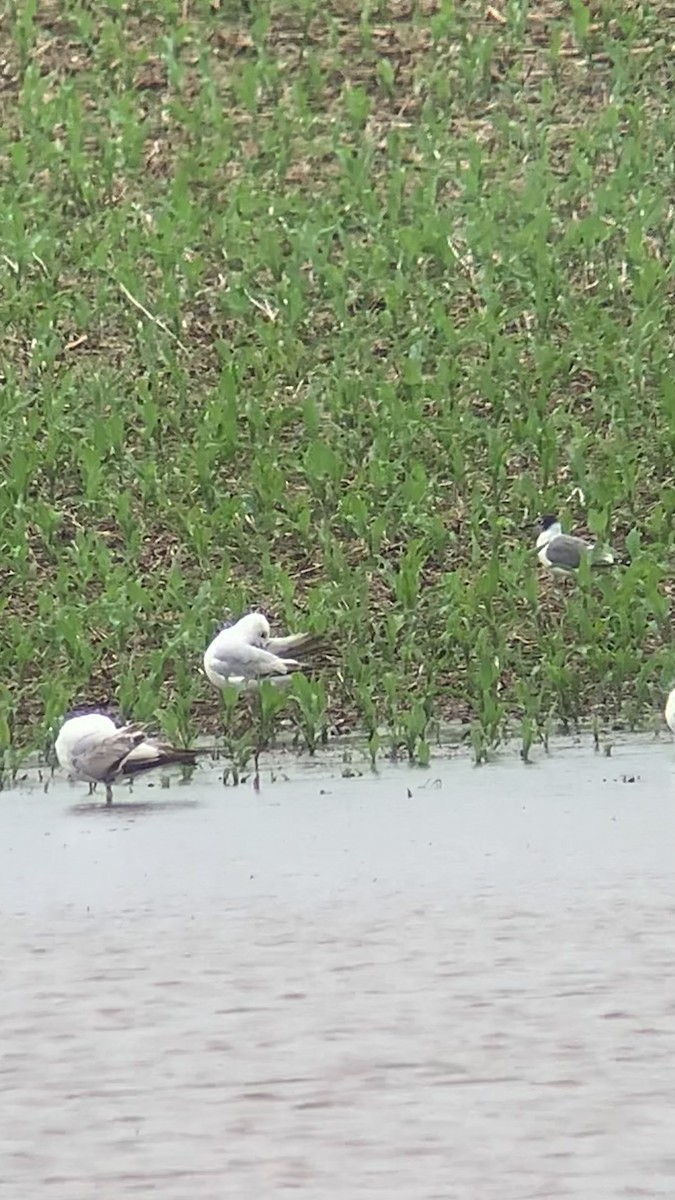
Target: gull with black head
point(563, 554)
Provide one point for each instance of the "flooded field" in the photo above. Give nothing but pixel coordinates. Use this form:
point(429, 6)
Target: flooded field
point(456, 984)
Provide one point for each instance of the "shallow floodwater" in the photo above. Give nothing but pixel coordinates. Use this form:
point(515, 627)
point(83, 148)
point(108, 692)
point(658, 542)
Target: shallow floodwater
point(455, 984)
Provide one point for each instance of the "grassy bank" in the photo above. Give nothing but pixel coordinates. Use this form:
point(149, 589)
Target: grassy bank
point(317, 307)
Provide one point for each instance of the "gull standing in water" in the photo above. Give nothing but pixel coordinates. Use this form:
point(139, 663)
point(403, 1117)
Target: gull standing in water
point(95, 750)
point(244, 653)
point(563, 554)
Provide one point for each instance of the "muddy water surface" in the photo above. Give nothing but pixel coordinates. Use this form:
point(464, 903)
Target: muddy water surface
point(333, 988)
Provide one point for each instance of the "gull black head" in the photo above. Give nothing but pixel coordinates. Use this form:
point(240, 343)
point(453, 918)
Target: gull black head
point(549, 520)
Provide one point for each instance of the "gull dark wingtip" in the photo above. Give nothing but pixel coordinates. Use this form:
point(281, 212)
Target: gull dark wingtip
point(168, 756)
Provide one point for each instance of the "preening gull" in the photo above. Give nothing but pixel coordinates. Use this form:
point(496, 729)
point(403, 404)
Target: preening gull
point(93, 749)
point(245, 653)
point(564, 554)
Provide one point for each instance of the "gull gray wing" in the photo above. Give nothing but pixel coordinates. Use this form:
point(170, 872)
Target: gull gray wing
point(101, 759)
point(566, 552)
point(248, 662)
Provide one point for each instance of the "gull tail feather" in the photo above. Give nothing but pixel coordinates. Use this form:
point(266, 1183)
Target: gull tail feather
point(601, 560)
point(297, 642)
point(292, 665)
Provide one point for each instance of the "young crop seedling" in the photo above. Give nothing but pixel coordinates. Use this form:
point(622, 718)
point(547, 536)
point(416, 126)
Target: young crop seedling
point(321, 315)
